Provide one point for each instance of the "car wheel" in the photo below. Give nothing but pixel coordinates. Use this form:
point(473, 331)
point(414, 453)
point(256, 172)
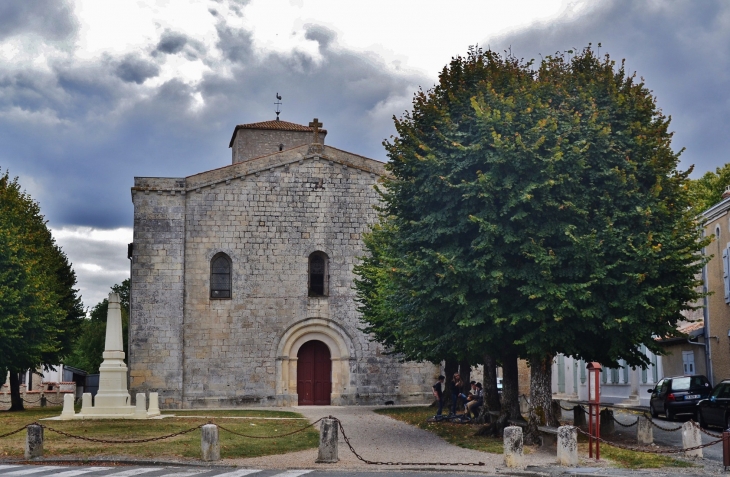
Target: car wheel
point(669, 414)
point(701, 420)
point(654, 414)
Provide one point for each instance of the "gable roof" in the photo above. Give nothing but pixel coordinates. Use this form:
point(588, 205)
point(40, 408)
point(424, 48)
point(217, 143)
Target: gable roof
point(274, 125)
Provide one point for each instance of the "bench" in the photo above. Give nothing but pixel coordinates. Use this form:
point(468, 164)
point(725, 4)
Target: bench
point(549, 435)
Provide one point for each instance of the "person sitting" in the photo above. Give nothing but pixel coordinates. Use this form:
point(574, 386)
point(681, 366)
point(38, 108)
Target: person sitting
point(473, 406)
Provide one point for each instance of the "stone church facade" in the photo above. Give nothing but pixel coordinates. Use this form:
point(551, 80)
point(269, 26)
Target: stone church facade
point(242, 276)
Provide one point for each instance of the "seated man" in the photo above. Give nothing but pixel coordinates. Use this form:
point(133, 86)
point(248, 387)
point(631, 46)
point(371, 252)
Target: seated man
point(473, 406)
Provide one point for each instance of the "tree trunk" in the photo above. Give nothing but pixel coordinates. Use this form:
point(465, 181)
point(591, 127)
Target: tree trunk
point(16, 402)
point(450, 367)
point(541, 397)
point(465, 373)
point(489, 382)
point(510, 386)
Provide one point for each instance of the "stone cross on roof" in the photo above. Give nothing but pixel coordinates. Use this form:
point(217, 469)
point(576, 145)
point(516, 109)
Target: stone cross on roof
point(315, 125)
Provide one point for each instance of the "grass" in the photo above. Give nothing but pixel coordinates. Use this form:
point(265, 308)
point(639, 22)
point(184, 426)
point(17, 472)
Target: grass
point(461, 435)
point(636, 460)
point(183, 446)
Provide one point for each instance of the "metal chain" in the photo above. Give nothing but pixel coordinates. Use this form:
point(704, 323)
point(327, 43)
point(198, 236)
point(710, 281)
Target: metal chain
point(347, 441)
point(14, 432)
point(648, 451)
point(269, 437)
point(625, 425)
point(123, 441)
point(565, 409)
point(31, 402)
point(660, 427)
point(716, 436)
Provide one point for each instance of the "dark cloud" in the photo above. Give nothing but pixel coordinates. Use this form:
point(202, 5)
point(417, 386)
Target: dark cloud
point(52, 19)
point(321, 34)
point(236, 44)
point(134, 69)
point(680, 48)
point(171, 42)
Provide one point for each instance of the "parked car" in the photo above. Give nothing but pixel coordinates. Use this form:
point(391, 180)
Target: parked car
point(715, 411)
point(678, 395)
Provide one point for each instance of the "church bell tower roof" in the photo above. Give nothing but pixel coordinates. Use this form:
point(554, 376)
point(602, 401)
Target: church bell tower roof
point(276, 125)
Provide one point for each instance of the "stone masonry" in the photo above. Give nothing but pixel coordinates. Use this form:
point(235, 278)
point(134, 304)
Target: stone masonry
point(267, 214)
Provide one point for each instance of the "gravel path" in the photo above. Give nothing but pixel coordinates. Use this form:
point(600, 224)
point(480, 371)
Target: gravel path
point(381, 438)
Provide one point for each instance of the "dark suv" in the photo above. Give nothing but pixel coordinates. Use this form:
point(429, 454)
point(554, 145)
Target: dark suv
point(715, 411)
point(678, 395)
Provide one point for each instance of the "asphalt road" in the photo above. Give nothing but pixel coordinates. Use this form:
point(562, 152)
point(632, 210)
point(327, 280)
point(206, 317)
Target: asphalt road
point(7, 470)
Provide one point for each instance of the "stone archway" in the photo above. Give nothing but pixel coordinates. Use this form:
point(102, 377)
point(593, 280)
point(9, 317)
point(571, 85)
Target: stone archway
point(341, 351)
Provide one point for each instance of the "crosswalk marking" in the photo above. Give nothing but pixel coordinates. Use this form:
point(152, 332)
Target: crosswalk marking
point(131, 472)
point(7, 466)
point(83, 470)
point(292, 473)
point(239, 473)
point(33, 470)
point(184, 473)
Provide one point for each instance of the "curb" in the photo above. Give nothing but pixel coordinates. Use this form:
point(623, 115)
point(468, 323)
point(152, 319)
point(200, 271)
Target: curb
point(111, 460)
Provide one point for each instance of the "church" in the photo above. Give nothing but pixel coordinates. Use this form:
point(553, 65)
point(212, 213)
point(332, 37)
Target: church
point(242, 280)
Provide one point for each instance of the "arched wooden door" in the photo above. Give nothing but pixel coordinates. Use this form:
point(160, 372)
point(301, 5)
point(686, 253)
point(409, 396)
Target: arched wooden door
point(314, 374)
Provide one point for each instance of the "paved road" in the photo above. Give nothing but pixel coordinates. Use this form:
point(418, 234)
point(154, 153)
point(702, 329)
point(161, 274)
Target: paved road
point(73, 471)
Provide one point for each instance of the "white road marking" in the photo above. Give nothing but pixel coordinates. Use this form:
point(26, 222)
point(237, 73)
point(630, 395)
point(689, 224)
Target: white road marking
point(185, 473)
point(8, 466)
point(33, 470)
point(292, 473)
point(83, 470)
point(239, 473)
point(131, 472)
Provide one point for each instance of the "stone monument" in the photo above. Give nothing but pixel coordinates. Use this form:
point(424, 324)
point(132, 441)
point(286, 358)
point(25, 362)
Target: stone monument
point(112, 401)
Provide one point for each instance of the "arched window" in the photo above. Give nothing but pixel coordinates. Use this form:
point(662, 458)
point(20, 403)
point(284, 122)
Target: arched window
point(220, 277)
point(318, 274)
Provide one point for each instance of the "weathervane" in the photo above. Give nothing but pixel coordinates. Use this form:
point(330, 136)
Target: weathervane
point(278, 104)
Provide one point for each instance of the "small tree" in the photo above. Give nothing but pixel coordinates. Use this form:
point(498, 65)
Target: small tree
point(39, 308)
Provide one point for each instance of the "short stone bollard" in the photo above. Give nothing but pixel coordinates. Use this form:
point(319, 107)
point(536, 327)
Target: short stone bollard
point(86, 401)
point(328, 437)
point(210, 448)
point(513, 446)
point(607, 424)
point(140, 410)
point(154, 406)
point(68, 407)
point(34, 441)
point(567, 446)
point(44, 401)
point(579, 416)
point(691, 437)
point(644, 431)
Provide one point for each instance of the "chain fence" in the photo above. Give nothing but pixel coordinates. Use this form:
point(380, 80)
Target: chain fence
point(371, 462)
point(668, 429)
point(269, 437)
point(706, 432)
point(14, 432)
point(120, 441)
point(645, 450)
point(625, 425)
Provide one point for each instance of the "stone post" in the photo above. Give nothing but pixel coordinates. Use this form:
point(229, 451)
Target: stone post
point(140, 411)
point(154, 406)
point(209, 445)
point(579, 416)
point(644, 431)
point(691, 437)
point(68, 407)
point(513, 446)
point(86, 402)
point(44, 402)
point(607, 424)
point(34, 441)
point(328, 437)
point(568, 446)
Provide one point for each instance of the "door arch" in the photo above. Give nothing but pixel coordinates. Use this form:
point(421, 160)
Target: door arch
point(314, 374)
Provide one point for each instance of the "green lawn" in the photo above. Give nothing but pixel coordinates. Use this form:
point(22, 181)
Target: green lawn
point(185, 446)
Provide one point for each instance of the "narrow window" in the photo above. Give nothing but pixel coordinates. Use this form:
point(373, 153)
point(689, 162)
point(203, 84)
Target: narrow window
point(281, 147)
point(318, 274)
point(220, 276)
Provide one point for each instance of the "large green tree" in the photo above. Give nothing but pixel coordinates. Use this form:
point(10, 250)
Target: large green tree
point(89, 345)
point(707, 190)
point(40, 310)
point(531, 210)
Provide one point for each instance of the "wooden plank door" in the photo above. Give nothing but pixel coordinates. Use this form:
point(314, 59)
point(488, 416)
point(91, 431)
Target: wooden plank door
point(314, 374)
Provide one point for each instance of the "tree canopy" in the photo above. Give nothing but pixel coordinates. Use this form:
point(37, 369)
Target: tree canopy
point(536, 207)
point(707, 190)
point(40, 310)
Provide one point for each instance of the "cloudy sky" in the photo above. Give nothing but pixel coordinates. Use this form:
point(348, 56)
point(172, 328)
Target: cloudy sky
point(93, 93)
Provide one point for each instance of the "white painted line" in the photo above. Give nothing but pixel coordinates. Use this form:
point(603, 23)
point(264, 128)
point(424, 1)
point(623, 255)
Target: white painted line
point(34, 470)
point(8, 466)
point(131, 472)
point(185, 473)
point(239, 473)
point(292, 473)
point(83, 470)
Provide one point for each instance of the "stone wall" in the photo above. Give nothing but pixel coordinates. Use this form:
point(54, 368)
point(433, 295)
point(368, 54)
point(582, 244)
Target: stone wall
point(252, 143)
point(268, 216)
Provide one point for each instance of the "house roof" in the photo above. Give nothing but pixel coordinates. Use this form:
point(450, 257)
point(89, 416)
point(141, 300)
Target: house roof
point(686, 330)
point(274, 125)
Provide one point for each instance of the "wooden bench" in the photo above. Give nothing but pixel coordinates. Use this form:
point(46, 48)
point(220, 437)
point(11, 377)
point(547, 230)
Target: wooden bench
point(549, 435)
